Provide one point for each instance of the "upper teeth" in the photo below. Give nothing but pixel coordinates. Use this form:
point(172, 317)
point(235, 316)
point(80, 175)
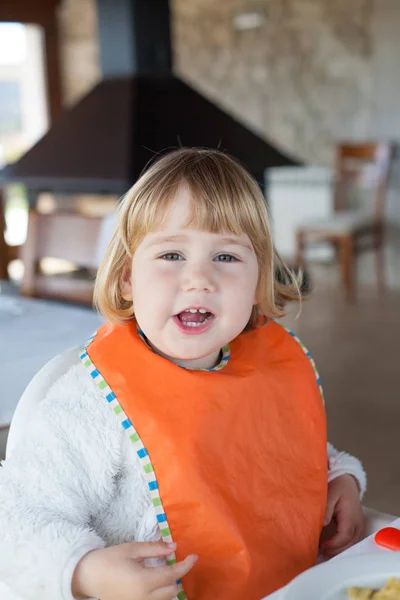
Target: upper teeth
point(195, 310)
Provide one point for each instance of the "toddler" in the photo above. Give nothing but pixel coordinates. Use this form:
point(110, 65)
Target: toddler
point(185, 454)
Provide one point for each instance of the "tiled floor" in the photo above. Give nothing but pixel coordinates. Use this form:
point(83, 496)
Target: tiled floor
point(357, 351)
point(356, 348)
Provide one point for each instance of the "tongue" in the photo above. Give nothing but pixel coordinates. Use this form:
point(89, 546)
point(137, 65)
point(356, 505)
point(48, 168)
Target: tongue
point(188, 317)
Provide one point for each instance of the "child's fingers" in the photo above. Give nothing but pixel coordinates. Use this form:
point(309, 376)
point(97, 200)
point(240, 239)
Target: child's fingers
point(166, 593)
point(329, 511)
point(140, 550)
point(346, 525)
point(160, 577)
point(345, 532)
point(339, 543)
point(339, 540)
point(330, 553)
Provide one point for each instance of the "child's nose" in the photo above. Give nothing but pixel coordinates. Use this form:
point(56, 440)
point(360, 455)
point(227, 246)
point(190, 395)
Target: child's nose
point(197, 278)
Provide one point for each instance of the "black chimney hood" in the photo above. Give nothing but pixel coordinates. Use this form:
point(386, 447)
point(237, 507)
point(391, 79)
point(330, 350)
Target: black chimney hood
point(140, 109)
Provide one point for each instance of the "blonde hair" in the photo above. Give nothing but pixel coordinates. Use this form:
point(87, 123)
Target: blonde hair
point(224, 198)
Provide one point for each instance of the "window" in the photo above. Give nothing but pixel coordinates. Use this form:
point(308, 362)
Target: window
point(10, 108)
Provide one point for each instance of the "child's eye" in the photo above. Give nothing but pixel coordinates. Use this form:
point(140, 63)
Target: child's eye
point(171, 256)
point(226, 258)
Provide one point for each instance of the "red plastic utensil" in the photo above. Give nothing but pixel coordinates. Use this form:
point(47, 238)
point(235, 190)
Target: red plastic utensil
point(389, 538)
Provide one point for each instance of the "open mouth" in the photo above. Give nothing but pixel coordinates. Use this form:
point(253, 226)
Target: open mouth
point(194, 318)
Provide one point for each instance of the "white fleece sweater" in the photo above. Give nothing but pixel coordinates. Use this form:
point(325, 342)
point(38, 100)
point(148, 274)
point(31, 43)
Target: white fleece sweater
point(75, 485)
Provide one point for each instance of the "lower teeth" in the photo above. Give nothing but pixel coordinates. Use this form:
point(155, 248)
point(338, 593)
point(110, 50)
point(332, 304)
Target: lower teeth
point(191, 324)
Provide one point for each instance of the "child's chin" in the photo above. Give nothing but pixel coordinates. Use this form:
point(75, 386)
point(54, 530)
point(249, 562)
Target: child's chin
point(192, 351)
point(182, 355)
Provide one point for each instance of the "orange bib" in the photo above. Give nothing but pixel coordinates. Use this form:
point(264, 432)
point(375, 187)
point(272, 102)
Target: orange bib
point(235, 459)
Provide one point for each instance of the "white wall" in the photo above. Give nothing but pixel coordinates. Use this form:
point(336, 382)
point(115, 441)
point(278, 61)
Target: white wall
point(29, 74)
point(34, 106)
point(386, 68)
point(386, 88)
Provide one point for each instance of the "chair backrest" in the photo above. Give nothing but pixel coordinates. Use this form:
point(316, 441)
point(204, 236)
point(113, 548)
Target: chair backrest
point(35, 393)
point(61, 235)
point(362, 175)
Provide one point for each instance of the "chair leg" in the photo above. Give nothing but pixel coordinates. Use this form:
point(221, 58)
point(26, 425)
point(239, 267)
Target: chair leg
point(346, 246)
point(28, 255)
point(379, 247)
point(3, 245)
point(300, 247)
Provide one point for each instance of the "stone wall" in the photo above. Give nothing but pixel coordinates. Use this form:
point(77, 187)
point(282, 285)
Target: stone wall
point(80, 64)
point(301, 79)
point(80, 71)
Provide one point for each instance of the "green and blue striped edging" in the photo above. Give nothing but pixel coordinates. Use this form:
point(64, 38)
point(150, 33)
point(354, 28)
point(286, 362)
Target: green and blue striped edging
point(310, 358)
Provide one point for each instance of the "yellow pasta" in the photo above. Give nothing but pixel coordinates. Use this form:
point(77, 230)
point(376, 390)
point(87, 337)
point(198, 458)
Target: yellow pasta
point(390, 591)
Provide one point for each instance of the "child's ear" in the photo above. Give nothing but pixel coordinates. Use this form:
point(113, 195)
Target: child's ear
point(126, 285)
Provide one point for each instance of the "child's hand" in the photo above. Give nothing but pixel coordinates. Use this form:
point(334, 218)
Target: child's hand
point(118, 573)
point(345, 508)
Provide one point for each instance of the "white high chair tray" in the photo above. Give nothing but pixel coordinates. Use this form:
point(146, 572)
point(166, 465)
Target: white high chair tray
point(365, 564)
point(331, 580)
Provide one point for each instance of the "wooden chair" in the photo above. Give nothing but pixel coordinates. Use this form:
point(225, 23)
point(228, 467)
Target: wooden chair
point(63, 235)
point(360, 189)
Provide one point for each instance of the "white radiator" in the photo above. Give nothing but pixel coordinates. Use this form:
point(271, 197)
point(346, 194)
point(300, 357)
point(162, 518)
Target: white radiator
point(296, 195)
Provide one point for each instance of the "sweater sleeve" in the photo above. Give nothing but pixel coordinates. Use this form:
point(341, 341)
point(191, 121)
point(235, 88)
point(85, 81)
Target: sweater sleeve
point(341, 463)
point(54, 482)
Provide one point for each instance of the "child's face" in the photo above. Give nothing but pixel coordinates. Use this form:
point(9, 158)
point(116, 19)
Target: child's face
point(177, 270)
